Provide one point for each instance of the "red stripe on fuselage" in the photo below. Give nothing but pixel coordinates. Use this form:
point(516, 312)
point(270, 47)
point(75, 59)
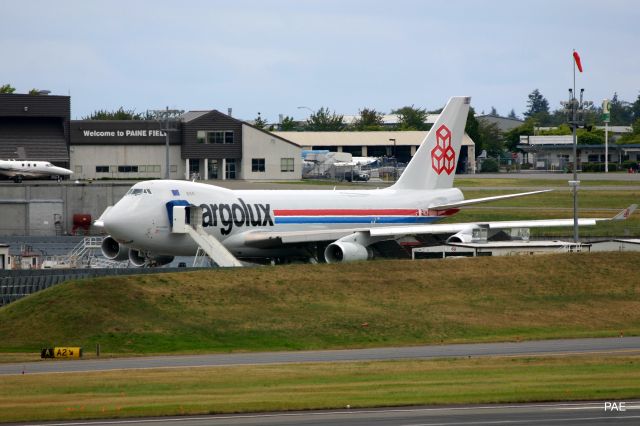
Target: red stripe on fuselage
point(348, 212)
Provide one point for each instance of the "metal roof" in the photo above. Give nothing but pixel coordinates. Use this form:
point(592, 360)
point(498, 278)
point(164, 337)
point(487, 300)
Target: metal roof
point(192, 115)
point(402, 138)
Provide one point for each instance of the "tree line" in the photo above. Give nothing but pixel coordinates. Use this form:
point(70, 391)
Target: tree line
point(487, 136)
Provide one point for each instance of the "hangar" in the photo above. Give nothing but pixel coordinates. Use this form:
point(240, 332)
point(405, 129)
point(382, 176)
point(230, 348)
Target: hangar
point(399, 144)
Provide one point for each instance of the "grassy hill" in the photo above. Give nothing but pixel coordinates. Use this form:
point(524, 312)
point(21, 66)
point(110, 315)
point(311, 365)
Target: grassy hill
point(364, 304)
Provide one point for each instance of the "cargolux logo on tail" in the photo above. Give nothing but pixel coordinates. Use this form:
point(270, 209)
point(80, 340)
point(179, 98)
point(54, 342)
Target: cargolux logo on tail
point(443, 157)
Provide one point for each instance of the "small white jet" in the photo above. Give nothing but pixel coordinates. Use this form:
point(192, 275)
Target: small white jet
point(20, 169)
point(148, 223)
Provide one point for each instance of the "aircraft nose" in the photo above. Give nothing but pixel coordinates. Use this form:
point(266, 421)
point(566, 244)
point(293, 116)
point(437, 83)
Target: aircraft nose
point(116, 223)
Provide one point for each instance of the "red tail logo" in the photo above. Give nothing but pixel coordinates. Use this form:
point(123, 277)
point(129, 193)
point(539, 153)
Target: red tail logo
point(443, 157)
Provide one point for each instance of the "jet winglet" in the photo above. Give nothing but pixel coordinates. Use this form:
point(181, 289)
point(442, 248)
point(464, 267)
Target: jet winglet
point(624, 214)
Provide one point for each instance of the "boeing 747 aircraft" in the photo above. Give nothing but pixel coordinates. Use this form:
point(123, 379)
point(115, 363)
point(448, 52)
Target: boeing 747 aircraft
point(20, 169)
point(148, 223)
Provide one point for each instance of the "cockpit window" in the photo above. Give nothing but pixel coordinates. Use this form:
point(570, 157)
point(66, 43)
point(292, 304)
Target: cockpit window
point(138, 191)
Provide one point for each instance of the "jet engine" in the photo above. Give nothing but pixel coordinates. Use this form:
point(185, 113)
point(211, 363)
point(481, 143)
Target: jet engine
point(477, 234)
point(460, 237)
point(113, 250)
point(139, 258)
point(341, 251)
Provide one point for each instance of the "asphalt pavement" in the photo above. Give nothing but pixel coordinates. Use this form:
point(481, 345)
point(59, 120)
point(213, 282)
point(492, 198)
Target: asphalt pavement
point(579, 413)
point(539, 347)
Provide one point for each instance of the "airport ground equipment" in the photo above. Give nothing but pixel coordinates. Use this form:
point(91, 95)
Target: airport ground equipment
point(188, 220)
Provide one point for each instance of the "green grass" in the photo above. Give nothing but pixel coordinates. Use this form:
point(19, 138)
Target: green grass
point(561, 181)
point(365, 304)
point(317, 386)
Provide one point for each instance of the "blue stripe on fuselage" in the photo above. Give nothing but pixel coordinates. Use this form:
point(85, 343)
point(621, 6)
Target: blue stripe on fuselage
point(353, 219)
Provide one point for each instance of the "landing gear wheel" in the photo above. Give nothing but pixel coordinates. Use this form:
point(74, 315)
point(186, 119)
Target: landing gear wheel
point(17, 179)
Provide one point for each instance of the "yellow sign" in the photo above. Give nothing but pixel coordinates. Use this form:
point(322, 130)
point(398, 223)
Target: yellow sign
point(67, 352)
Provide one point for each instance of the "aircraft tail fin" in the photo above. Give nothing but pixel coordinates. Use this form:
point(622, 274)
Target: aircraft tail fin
point(434, 164)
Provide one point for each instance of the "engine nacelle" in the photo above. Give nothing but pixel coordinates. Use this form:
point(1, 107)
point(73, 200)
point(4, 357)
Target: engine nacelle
point(476, 234)
point(342, 251)
point(136, 257)
point(113, 250)
point(139, 258)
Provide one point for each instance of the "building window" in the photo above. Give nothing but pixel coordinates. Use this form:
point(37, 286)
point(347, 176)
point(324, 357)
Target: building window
point(201, 136)
point(593, 158)
point(257, 165)
point(218, 137)
point(128, 169)
point(286, 164)
point(142, 169)
point(102, 169)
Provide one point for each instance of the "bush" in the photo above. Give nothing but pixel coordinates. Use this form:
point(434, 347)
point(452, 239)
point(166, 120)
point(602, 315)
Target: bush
point(489, 166)
point(598, 167)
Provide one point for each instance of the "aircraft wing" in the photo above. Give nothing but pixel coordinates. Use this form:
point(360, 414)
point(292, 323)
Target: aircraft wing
point(457, 227)
point(267, 239)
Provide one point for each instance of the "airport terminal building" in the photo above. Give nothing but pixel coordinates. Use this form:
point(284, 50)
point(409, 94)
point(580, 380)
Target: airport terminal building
point(204, 144)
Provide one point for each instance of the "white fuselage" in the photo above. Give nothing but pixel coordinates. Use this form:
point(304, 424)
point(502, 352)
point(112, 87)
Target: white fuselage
point(27, 168)
point(140, 220)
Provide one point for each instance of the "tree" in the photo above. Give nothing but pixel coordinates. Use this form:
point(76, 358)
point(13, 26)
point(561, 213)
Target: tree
point(494, 111)
point(472, 128)
point(538, 108)
point(636, 108)
point(621, 112)
point(7, 88)
point(411, 118)
point(491, 138)
point(288, 124)
point(369, 119)
point(512, 137)
point(34, 92)
point(119, 114)
point(324, 121)
point(590, 137)
point(633, 137)
point(512, 114)
point(260, 122)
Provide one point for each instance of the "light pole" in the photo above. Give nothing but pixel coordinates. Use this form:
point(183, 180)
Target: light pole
point(606, 117)
point(395, 160)
point(575, 109)
point(168, 120)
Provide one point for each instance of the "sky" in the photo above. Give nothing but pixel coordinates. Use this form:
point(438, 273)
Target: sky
point(275, 56)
